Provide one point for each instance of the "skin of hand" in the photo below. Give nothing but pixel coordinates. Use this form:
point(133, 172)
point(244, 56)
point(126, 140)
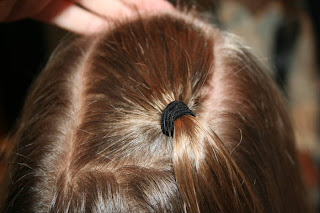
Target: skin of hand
point(79, 16)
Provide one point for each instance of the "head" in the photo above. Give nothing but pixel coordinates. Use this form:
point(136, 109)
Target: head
point(90, 138)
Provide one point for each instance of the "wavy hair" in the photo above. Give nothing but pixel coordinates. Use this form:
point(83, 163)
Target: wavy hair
point(89, 139)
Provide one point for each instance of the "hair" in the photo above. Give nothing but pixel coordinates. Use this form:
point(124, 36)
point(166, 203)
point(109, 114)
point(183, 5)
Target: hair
point(89, 139)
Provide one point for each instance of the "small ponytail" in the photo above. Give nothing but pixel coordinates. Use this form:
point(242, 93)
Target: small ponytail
point(208, 179)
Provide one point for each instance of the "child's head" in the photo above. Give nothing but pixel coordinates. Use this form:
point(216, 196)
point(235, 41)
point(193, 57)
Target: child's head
point(90, 137)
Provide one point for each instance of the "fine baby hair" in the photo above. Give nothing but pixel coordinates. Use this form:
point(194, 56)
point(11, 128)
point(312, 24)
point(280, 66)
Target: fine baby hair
point(164, 113)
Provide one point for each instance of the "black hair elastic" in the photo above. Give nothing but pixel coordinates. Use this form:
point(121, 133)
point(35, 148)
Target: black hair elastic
point(172, 112)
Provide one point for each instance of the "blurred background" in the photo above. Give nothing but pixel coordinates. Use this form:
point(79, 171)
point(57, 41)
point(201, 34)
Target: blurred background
point(283, 33)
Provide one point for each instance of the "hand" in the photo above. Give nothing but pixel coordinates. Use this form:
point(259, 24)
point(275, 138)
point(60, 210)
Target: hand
point(79, 16)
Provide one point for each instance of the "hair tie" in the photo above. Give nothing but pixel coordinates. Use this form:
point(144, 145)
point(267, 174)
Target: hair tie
point(172, 112)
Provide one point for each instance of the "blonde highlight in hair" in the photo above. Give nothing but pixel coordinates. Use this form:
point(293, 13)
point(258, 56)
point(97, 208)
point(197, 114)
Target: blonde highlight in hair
point(90, 140)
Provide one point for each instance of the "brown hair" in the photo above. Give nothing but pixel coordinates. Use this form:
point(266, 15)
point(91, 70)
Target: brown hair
point(89, 139)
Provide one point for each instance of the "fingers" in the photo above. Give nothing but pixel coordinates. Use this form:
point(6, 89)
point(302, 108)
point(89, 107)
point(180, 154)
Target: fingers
point(116, 8)
point(71, 17)
point(79, 16)
point(95, 15)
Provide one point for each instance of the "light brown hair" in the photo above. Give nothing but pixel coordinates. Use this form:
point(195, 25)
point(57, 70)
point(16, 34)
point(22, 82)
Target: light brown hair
point(89, 139)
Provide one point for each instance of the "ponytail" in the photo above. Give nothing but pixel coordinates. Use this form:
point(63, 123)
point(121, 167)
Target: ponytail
point(208, 179)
